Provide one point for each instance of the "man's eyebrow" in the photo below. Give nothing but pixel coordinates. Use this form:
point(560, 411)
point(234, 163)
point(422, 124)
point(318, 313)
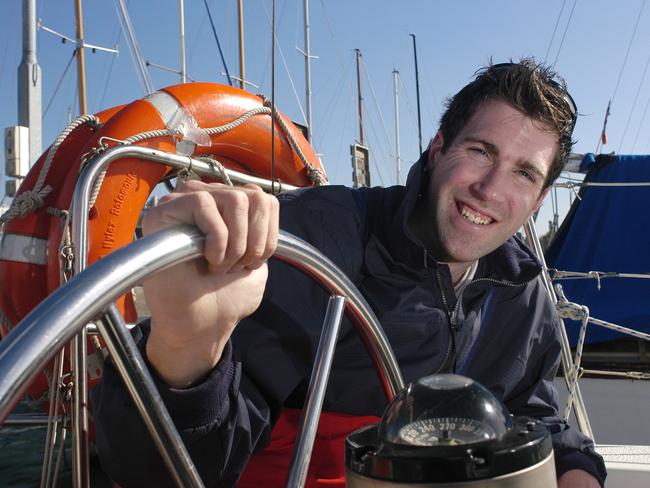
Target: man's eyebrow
point(494, 151)
point(491, 148)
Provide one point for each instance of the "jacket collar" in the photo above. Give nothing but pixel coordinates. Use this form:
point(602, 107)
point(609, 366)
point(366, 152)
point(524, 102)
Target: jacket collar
point(512, 261)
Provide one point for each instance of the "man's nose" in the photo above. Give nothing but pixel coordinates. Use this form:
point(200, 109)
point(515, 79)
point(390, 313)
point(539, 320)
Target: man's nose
point(491, 185)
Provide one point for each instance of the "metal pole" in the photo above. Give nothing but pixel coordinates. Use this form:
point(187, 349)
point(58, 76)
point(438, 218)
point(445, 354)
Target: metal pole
point(29, 83)
point(80, 449)
point(307, 71)
point(567, 361)
point(362, 140)
point(397, 158)
point(80, 426)
point(417, 91)
point(140, 384)
point(81, 68)
point(181, 16)
point(242, 77)
point(311, 410)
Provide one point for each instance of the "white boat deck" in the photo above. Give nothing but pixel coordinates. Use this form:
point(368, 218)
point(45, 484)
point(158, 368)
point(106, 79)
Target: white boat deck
point(627, 466)
point(618, 413)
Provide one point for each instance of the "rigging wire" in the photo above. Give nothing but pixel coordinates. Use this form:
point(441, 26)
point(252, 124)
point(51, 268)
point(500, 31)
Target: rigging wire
point(117, 36)
point(373, 161)
point(273, 97)
point(414, 118)
point(638, 131)
point(330, 105)
point(620, 73)
point(58, 85)
point(108, 78)
point(636, 97)
point(280, 18)
point(566, 29)
point(374, 98)
point(216, 38)
point(648, 146)
point(134, 47)
point(557, 22)
point(195, 40)
point(341, 64)
point(286, 68)
point(347, 116)
point(556, 210)
point(426, 87)
point(629, 46)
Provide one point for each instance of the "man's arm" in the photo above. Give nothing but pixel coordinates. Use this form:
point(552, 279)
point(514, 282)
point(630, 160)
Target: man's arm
point(195, 307)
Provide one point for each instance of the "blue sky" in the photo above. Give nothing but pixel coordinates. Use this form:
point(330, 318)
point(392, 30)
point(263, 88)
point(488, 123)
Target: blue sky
point(454, 39)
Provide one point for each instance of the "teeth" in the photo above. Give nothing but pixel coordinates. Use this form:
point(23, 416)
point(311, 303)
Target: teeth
point(475, 219)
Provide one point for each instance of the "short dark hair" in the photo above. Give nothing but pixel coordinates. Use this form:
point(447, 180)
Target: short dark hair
point(528, 86)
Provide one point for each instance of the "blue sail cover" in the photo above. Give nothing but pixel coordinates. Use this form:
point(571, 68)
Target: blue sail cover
point(608, 230)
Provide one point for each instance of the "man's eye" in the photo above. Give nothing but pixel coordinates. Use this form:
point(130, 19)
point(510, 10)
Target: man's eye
point(479, 151)
point(528, 175)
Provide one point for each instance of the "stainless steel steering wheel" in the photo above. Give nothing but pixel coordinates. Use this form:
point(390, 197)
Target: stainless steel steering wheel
point(90, 294)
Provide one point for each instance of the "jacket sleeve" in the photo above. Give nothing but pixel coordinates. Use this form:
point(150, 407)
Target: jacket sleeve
point(537, 397)
point(220, 419)
point(230, 413)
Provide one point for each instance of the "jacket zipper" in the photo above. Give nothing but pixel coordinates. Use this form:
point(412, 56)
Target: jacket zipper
point(453, 316)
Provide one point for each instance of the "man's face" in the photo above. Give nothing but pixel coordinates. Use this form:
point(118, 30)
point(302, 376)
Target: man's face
point(486, 184)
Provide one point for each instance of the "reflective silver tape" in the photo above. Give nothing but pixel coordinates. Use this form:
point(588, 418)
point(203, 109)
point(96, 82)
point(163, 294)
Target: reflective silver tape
point(168, 107)
point(23, 249)
point(174, 115)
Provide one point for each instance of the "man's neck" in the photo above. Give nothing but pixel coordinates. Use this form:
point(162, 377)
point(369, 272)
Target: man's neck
point(457, 271)
point(416, 226)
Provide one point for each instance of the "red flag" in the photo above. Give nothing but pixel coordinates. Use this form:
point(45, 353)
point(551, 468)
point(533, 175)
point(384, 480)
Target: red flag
point(603, 134)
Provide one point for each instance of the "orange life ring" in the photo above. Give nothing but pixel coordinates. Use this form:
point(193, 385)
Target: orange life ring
point(30, 249)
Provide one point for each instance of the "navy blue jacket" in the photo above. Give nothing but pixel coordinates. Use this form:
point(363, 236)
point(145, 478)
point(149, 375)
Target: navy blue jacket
point(502, 330)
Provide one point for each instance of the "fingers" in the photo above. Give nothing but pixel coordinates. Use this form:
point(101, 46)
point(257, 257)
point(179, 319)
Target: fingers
point(240, 224)
point(262, 235)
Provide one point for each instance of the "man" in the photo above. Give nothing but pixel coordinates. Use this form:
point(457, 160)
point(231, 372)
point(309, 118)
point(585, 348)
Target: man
point(454, 291)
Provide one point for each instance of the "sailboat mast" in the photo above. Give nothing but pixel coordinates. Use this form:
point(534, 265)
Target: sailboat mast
point(362, 140)
point(397, 155)
point(359, 152)
point(307, 71)
point(29, 83)
point(242, 77)
point(181, 17)
point(81, 66)
point(417, 90)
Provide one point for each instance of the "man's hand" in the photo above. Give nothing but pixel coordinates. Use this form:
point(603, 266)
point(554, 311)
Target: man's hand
point(577, 478)
point(196, 305)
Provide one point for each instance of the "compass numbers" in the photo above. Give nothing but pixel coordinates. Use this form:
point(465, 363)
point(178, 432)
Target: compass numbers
point(444, 430)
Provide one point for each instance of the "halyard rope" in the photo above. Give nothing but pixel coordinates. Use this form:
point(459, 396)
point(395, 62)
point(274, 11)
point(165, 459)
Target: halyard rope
point(314, 173)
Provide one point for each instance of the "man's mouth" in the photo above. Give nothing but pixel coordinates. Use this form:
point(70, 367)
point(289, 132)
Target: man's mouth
point(474, 216)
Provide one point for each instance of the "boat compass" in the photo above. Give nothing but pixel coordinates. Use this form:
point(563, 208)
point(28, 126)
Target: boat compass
point(449, 431)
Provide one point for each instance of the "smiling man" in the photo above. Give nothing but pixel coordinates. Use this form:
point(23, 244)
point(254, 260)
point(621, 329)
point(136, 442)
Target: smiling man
point(484, 185)
point(232, 348)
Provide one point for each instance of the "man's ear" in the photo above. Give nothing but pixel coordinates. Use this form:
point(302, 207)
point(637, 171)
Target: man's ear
point(434, 148)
